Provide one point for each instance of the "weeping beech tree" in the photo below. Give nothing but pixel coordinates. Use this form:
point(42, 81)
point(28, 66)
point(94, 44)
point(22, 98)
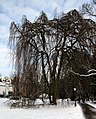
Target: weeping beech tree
point(42, 50)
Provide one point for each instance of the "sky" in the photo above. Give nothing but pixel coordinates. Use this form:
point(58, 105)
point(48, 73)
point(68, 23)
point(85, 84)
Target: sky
point(13, 10)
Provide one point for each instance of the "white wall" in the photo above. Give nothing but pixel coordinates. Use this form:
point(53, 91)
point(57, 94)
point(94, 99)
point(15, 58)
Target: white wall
point(4, 89)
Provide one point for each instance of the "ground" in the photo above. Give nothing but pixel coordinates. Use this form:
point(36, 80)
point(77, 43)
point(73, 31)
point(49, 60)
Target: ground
point(89, 110)
point(65, 111)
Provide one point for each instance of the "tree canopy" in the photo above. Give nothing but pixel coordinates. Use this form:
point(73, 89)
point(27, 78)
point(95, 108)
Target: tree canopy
point(45, 49)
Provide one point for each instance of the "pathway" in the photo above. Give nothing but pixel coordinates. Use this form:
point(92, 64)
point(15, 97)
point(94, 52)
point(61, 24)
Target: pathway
point(89, 111)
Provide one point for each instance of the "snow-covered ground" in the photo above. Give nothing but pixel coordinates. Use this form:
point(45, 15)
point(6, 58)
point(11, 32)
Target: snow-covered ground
point(92, 104)
point(47, 112)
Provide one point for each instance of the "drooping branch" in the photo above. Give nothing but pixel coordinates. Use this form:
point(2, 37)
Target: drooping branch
point(83, 75)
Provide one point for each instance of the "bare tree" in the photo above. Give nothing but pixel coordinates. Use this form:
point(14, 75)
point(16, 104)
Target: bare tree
point(44, 46)
point(89, 9)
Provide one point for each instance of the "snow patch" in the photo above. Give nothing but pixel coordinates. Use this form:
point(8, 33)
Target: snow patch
point(47, 112)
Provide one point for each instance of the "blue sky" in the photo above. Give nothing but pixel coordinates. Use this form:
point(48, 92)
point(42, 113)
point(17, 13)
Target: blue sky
point(13, 10)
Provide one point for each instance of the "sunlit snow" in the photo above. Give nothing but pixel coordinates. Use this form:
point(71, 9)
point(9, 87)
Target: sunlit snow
point(46, 112)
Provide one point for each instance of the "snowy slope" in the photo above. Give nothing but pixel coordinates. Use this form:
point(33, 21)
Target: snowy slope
point(92, 104)
point(48, 112)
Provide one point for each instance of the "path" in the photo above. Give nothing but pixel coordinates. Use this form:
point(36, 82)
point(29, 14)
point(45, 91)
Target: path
point(89, 111)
